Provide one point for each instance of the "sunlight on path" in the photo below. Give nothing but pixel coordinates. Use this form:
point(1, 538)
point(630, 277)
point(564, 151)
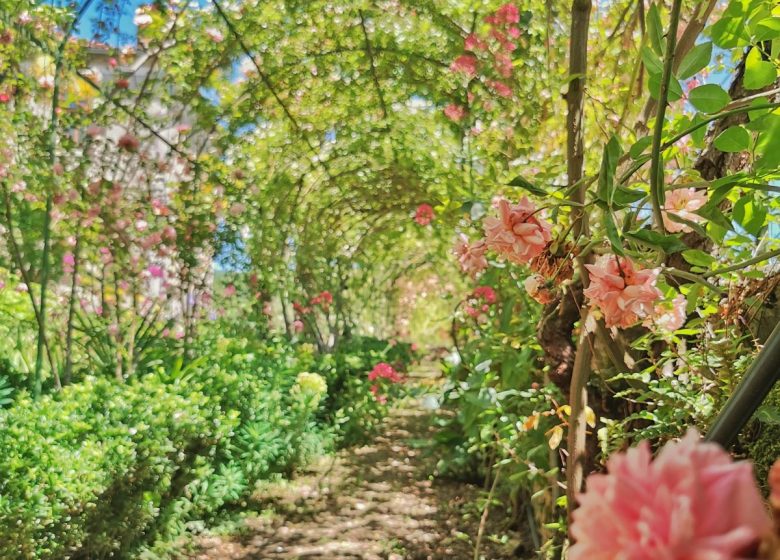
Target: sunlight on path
point(372, 502)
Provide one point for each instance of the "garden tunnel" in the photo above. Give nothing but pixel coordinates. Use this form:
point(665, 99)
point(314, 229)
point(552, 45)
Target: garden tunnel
point(471, 251)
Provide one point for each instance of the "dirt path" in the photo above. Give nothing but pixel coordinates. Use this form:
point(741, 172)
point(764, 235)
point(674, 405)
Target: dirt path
point(369, 503)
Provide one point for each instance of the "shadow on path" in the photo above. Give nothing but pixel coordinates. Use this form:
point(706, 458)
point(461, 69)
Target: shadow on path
point(368, 503)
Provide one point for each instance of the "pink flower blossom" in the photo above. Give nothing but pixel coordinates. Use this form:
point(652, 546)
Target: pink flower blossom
point(474, 43)
point(504, 66)
point(683, 203)
point(46, 82)
point(383, 370)
point(215, 35)
point(465, 63)
point(380, 398)
point(500, 88)
point(68, 262)
point(129, 142)
point(670, 316)
point(486, 293)
point(691, 503)
point(298, 326)
point(508, 13)
point(623, 293)
point(471, 256)
point(155, 271)
point(5, 97)
point(424, 214)
point(230, 290)
point(454, 112)
point(518, 233)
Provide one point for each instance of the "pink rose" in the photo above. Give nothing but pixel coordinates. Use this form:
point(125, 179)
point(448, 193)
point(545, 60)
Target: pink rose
point(465, 63)
point(623, 293)
point(424, 214)
point(691, 502)
point(670, 316)
point(298, 326)
point(518, 233)
point(683, 203)
point(454, 112)
point(471, 256)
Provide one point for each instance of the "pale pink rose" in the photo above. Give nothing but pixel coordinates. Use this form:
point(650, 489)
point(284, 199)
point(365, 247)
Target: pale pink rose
point(471, 256)
point(230, 290)
point(670, 316)
point(519, 233)
point(424, 214)
point(454, 112)
point(465, 63)
point(215, 35)
point(298, 326)
point(46, 82)
point(683, 203)
point(691, 503)
point(622, 292)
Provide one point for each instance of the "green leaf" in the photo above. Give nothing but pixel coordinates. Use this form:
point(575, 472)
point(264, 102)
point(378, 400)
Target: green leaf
point(609, 160)
point(733, 139)
point(709, 98)
point(668, 243)
point(759, 73)
point(698, 58)
point(751, 214)
point(655, 30)
point(651, 61)
point(527, 185)
point(730, 30)
point(612, 233)
point(638, 147)
point(698, 258)
point(675, 90)
point(766, 29)
point(623, 196)
point(712, 213)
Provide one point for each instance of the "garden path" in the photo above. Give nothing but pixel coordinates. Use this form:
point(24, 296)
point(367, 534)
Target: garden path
point(376, 502)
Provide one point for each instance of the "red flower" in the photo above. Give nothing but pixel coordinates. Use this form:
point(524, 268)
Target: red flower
point(129, 142)
point(384, 370)
point(424, 214)
point(465, 63)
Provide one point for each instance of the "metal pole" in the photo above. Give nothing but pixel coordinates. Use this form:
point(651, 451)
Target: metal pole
point(762, 375)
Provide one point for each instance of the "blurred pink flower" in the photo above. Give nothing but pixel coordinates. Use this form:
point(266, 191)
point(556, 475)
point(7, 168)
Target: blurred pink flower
point(691, 503)
point(683, 203)
point(518, 233)
point(215, 34)
point(670, 316)
point(465, 63)
point(486, 293)
point(298, 326)
point(383, 370)
point(454, 112)
point(424, 214)
point(501, 88)
point(230, 290)
point(623, 293)
point(68, 262)
point(155, 271)
point(471, 256)
point(474, 43)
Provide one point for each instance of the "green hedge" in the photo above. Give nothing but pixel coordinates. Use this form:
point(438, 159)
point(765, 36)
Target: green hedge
point(103, 469)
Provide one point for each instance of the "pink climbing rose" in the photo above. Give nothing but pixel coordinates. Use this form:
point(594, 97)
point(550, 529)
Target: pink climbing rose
point(621, 291)
point(693, 502)
point(454, 112)
point(298, 326)
point(683, 203)
point(383, 370)
point(230, 290)
point(465, 63)
point(471, 256)
point(424, 214)
point(519, 233)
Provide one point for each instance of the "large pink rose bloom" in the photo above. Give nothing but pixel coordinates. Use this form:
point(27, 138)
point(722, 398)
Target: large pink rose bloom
point(683, 203)
point(519, 233)
point(622, 292)
point(471, 256)
point(691, 503)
